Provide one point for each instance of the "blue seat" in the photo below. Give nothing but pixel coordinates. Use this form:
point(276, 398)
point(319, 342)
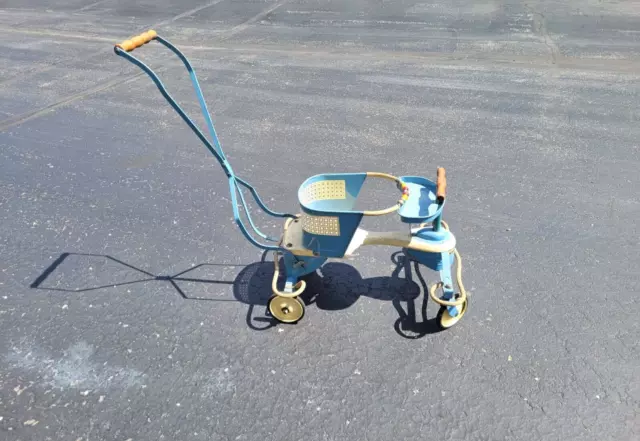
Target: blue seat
point(328, 218)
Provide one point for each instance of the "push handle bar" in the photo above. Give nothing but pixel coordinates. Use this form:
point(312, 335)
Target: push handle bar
point(441, 185)
point(124, 50)
point(137, 41)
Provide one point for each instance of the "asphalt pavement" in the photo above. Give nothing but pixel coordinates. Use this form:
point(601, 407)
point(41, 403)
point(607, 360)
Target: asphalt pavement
point(132, 308)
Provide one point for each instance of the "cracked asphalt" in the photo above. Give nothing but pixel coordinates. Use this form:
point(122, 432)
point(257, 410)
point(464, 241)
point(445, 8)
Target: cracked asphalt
point(131, 307)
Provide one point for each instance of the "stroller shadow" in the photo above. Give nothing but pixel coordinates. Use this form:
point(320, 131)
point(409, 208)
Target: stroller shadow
point(336, 286)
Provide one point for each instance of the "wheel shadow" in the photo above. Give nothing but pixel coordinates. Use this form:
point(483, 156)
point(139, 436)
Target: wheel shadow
point(342, 285)
point(336, 286)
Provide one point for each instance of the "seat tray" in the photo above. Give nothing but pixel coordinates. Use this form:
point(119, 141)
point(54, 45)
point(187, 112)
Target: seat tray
point(421, 205)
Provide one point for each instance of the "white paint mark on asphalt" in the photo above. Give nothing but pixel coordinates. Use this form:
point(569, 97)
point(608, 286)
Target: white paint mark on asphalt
point(74, 369)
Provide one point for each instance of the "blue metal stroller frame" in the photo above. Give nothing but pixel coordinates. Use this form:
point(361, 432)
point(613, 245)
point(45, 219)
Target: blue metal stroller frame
point(328, 226)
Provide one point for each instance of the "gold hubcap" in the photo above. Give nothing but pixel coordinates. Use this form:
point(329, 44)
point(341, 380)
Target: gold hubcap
point(286, 309)
point(447, 321)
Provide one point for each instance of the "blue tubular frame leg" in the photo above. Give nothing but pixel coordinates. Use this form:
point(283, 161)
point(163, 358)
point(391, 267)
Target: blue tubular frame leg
point(246, 212)
point(262, 205)
point(447, 282)
point(437, 223)
point(233, 187)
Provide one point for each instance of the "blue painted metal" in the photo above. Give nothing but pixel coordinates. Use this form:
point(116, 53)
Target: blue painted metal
point(433, 261)
point(421, 205)
point(445, 277)
point(333, 246)
point(212, 145)
point(233, 188)
point(332, 207)
point(245, 207)
point(196, 86)
point(223, 162)
point(437, 223)
point(433, 236)
point(342, 209)
point(262, 205)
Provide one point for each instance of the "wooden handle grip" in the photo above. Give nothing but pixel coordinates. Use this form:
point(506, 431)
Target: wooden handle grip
point(137, 41)
point(441, 185)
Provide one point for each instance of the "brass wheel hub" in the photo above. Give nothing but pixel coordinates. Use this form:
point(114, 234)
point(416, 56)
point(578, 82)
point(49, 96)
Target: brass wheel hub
point(286, 309)
point(446, 320)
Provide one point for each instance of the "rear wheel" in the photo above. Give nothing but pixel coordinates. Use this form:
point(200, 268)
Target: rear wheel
point(286, 309)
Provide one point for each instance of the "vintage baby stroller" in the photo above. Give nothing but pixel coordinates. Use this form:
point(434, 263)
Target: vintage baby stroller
point(328, 225)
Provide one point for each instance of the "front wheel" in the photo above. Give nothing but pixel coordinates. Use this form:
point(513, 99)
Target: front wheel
point(445, 320)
